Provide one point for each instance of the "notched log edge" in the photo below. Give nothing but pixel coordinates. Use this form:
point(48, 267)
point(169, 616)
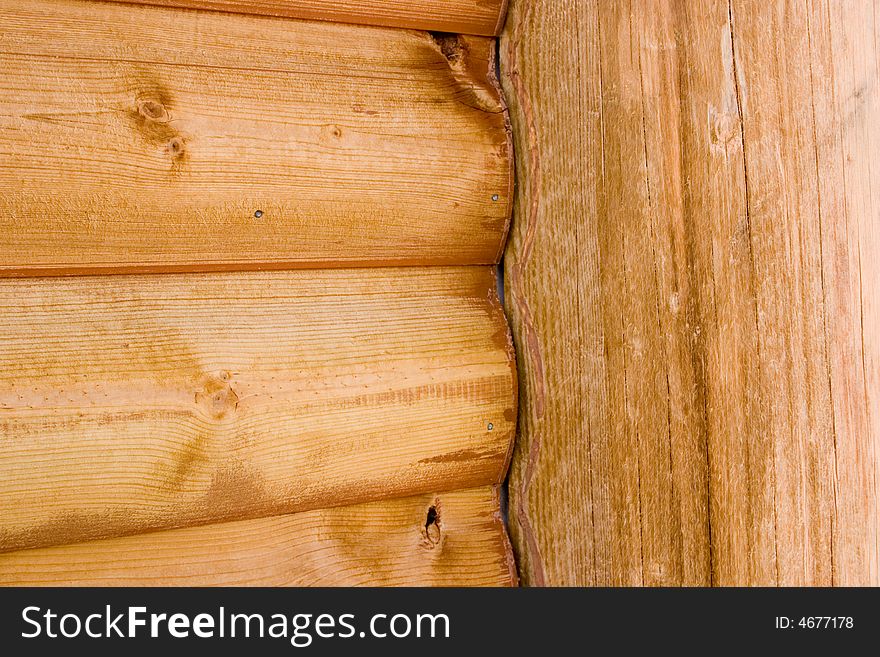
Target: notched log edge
point(510, 152)
point(466, 56)
point(519, 306)
point(507, 547)
point(504, 339)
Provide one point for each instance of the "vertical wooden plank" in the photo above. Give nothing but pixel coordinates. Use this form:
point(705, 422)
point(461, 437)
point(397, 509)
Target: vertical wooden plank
point(608, 414)
point(783, 218)
point(843, 64)
point(556, 401)
point(627, 275)
point(666, 244)
point(692, 286)
point(722, 319)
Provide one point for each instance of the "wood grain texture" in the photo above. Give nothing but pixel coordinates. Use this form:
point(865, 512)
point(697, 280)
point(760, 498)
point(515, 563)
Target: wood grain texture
point(693, 285)
point(388, 543)
point(134, 403)
point(141, 139)
point(483, 17)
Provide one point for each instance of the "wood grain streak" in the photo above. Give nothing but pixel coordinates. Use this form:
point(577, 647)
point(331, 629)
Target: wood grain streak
point(135, 403)
point(144, 139)
point(388, 543)
point(483, 17)
point(692, 280)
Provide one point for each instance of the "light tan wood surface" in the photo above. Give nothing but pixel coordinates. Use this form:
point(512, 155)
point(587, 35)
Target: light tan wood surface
point(140, 139)
point(483, 17)
point(438, 539)
point(134, 403)
point(693, 285)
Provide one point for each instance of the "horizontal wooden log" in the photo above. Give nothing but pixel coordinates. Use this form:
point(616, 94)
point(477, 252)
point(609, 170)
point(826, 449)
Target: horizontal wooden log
point(142, 139)
point(134, 403)
point(482, 17)
point(436, 539)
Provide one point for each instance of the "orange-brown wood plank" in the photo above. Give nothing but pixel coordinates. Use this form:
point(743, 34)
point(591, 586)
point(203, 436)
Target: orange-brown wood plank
point(693, 284)
point(809, 102)
point(482, 17)
point(134, 403)
point(436, 539)
point(140, 139)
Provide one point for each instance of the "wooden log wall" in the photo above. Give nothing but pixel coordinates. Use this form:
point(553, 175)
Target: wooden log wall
point(694, 287)
point(249, 332)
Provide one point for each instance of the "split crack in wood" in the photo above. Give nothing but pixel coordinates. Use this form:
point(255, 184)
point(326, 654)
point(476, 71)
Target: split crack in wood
point(432, 525)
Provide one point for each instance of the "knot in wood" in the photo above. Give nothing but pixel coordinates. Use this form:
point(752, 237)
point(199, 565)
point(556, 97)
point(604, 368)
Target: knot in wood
point(153, 110)
point(218, 398)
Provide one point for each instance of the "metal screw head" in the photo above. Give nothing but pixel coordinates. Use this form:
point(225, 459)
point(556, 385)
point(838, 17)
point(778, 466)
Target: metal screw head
point(495, 197)
point(490, 426)
point(258, 214)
